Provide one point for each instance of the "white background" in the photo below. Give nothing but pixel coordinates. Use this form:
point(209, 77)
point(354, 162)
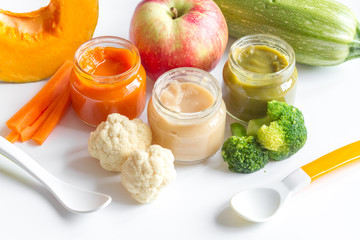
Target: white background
point(196, 206)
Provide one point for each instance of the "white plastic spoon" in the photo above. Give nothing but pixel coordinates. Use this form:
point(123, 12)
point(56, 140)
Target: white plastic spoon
point(261, 203)
point(74, 199)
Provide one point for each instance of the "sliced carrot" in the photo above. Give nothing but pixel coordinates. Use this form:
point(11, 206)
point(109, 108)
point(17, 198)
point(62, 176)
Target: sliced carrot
point(52, 120)
point(29, 131)
point(13, 137)
point(33, 109)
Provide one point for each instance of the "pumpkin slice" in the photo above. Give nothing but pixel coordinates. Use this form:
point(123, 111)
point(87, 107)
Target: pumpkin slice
point(34, 45)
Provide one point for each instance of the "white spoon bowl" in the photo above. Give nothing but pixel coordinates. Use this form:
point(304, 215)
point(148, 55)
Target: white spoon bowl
point(74, 199)
point(257, 204)
point(260, 204)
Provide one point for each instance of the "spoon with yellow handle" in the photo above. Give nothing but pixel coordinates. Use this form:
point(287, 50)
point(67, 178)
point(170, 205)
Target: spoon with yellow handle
point(260, 204)
point(74, 199)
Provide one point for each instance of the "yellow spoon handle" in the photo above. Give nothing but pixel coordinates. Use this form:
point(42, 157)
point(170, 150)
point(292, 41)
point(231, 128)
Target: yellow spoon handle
point(332, 160)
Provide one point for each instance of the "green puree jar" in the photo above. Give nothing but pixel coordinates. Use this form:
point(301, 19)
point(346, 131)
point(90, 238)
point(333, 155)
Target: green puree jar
point(260, 68)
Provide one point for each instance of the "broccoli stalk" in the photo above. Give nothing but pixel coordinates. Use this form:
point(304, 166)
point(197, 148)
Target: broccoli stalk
point(282, 131)
point(243, 153)
point(237, 129)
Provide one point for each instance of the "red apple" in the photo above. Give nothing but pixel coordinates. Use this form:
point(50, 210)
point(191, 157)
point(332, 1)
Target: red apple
point(178, 33)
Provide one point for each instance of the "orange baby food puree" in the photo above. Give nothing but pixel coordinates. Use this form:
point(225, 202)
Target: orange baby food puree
point(107, 61)
point(108, 79)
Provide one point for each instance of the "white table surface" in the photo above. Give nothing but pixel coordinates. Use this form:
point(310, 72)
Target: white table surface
point(196, 206)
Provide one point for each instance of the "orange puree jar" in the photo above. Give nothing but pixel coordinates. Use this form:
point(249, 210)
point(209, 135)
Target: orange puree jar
point(107, 78)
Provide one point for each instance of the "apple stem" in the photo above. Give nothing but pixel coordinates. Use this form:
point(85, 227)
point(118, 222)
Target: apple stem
point(174, 12)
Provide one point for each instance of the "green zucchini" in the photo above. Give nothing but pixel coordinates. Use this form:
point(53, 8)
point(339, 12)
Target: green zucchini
point(321, 32)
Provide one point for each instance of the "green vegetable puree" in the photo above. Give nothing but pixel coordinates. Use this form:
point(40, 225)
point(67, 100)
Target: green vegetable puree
point(262, 59)
point(246, 92)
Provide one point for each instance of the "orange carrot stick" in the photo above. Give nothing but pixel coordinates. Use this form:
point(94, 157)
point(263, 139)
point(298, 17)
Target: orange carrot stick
point(29, 131)
point(12, 137)
point(33, 109)
point(49, 124)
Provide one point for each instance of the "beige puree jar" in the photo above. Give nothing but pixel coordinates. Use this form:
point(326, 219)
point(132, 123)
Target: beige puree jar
point(187, 115)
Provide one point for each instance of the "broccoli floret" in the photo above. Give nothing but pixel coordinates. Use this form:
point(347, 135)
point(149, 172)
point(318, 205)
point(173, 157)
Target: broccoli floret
point(282, 131)
point(243, 153)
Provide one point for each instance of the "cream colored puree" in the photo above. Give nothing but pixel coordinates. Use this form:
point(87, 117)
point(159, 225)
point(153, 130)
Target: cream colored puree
point(186, 97)
point(191, 139)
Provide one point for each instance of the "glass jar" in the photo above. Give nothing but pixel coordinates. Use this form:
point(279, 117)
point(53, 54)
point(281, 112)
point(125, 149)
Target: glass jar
point(246, 93)
point(191, 136)
point(97, 91)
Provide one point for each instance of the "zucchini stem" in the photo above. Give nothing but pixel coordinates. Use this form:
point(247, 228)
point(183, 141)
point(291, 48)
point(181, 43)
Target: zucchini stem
point(354, 51)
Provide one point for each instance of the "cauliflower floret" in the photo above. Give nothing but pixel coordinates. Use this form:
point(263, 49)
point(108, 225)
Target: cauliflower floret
point(146, 172)
point(117, 137)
